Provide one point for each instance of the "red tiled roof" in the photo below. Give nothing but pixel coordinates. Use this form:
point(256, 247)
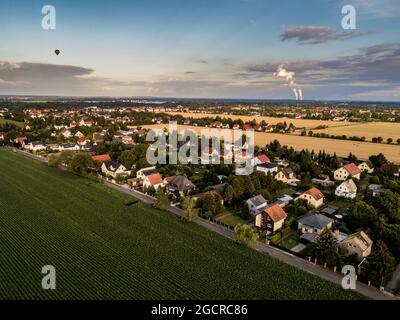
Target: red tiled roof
point(102, 157)
point(263, 158)
point(247, 127)
point(315, 193)
point(276, 213)
point(155, 178)
point(352, 169)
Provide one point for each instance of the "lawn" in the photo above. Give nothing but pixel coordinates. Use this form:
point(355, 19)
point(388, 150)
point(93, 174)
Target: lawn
point(17, 123)
point(341, 203)
point(232, 219)
point(290, 241)
point(103, 249)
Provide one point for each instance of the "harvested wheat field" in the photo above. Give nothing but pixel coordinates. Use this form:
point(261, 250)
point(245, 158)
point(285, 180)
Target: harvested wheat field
point(300, 123)
point(368, 130)
point(342, 147)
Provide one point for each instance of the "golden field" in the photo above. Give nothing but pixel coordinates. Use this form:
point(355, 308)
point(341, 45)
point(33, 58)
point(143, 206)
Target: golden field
point(300, 123)
point(368, 129)
point(342, 147)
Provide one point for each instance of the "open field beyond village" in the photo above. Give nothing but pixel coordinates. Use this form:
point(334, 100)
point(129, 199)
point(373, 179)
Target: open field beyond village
point(341, 147)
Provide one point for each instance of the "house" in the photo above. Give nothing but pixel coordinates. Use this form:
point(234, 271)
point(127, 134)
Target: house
point(69, 146)
point(98, 137)
point(377, 189)
point(357, 243)
point(284, 200)
point(66, 133)
point(153, 180)
point(180, 184)
point(20, 140)
point(323, 181)
point(288, 176)
point(209, 154)
point(128, 140)
point(349, 170)
point(313, 197)
point(366, 166)
point(268, 167)
point(271, 219)
point(83, 141)
point(347, 189)
point(35, 146)
point(262, 158)
point(77, 133)
point(85, 123)
point(256, 204)
point(113, 168)
point(101, 158)
point(236, 126)
point(269, 128)
point(144, 172)
point(330, 210)
point(312, 225)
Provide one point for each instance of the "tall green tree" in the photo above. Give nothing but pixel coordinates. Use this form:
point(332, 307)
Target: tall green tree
point(191, 213)
point(162, 201)
point(245, 234)
point(228, 194)
point(81, 163)
point(381, 264)
point(326, 248)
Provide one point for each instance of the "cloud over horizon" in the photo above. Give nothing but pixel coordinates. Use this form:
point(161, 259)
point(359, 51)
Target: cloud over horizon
point(316, 34)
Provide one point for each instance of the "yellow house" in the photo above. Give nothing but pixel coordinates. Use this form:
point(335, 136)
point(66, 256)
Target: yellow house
point(287, 175)
point(358, 243)
point(313, 197)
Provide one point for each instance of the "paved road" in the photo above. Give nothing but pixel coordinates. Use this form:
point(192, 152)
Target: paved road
point(276, 253)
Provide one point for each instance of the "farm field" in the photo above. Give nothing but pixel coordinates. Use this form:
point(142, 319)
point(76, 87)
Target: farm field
point(342, 147)
point(300, 123)
point(369, 130)
point(103, 249)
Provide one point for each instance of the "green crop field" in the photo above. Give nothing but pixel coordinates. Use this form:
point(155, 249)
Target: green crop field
point(103, 249)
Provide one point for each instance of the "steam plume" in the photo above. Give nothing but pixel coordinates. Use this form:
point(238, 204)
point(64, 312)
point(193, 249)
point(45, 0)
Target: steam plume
point(281, 72)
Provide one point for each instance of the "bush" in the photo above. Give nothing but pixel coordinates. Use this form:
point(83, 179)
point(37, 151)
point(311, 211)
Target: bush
point(276, 238)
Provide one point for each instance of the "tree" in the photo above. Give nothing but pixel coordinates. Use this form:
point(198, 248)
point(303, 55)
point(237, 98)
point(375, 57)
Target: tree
point(389, 140)
point(191, 213)
point(378, 160)
point(389, 204)
point(362, 215)
point(212, 203)
point(81, 163)
point(245, 212)
point(381, 264)
point(245, 234)
point(228, 194)
point(326, 248)
point(162, 201)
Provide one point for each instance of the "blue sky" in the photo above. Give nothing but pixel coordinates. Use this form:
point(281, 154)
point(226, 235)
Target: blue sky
point(202, 48)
